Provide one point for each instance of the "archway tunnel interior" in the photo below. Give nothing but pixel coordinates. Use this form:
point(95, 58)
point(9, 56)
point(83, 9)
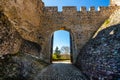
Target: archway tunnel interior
point(61, 50)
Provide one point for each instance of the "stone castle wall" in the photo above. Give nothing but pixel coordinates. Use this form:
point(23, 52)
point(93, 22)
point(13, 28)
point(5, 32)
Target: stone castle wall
point(37, 23)
point(28, 26)
point(81, 24)
point(114, 3)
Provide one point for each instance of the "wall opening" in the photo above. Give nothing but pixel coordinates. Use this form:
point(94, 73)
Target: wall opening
point(61, 47)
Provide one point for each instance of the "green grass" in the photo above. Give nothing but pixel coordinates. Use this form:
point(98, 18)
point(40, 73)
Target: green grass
point(54, 58)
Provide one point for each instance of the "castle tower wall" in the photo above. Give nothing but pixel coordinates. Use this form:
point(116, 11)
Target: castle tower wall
point(114, 2)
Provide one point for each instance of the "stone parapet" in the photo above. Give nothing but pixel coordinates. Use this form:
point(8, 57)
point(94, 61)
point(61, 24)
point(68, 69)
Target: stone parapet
point(51, 9)
point(73, 9)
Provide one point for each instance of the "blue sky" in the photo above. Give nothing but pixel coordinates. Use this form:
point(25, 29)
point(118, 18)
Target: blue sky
point(77, 3)
point(61, 38)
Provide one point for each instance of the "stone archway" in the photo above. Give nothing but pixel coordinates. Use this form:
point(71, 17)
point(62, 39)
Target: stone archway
point(72, 48)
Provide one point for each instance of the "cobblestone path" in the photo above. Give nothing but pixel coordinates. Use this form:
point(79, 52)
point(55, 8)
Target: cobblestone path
point(60, 71)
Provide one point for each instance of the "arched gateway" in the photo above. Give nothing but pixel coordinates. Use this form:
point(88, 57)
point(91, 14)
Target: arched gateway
point(81, 24)
point(73, 55)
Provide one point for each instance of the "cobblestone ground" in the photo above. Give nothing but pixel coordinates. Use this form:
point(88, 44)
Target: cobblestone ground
point(60, 71)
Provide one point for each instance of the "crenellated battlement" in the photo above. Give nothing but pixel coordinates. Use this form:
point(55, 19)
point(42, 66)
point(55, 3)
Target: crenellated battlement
point(69, 8)
point(73, 9)
point(51, 9)
point(92, 9)
point(102, 8)
point(83, 9)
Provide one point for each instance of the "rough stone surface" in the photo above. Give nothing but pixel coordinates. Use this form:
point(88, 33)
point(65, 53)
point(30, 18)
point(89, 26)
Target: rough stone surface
point(27, 26)
point(10, 40)
point(115, 2)
point(31, 48)
point(25, 16)
point(20, 67)
point(60, 71)
point(100, 58)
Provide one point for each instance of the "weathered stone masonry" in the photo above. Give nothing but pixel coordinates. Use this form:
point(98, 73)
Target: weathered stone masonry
point(81, 24)
point(36, 23)
point(27, 26)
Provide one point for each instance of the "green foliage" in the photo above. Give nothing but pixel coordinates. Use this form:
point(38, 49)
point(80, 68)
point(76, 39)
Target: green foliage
point(62, 57)
point(54, 57)
point(56, 54)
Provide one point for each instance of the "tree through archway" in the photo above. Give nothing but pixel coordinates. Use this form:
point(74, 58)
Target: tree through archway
point(61, 47)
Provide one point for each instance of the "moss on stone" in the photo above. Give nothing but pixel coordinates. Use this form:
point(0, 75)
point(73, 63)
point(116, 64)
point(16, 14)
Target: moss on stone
point(106, 22)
